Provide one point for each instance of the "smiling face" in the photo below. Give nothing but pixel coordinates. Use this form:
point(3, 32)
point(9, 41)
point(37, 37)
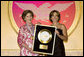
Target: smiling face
point(54, 17)
point(28, 17)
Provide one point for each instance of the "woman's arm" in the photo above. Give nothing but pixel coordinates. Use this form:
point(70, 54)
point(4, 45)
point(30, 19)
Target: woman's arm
point(64, 36)
point(26, 46)
point(20, 40)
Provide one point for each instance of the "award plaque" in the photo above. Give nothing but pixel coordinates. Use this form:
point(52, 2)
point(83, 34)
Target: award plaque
point(44, 39)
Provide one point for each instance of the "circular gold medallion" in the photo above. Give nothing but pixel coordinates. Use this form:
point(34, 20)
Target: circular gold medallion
point(44, 36)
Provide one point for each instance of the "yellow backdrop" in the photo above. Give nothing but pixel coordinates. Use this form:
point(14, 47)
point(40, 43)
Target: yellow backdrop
point(9, 36)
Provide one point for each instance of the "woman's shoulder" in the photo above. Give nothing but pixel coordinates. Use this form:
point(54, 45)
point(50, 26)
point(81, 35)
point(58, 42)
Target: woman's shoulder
point(63, 26)
point(23, 26)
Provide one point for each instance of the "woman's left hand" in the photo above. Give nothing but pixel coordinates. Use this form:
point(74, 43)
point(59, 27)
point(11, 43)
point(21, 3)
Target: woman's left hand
point(57, 32)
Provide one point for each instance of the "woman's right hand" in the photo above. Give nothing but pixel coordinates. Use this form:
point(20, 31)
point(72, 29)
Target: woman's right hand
point(38, 23)
point(26, 46)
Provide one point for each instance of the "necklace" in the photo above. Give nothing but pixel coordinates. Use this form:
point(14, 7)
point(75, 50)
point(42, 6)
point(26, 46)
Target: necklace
point(31, 31)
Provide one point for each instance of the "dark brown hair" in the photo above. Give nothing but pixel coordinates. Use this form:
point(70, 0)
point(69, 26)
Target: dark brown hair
point(51, 14)
point(25, 13)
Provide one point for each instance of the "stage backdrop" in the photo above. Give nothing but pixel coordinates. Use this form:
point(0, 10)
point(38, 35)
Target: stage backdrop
point(71, 15)
point(69, 11)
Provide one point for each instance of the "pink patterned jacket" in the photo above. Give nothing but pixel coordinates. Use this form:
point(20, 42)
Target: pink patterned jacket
point(25, 36)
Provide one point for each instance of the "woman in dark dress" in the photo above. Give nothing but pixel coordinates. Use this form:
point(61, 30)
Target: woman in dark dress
point(61, 33)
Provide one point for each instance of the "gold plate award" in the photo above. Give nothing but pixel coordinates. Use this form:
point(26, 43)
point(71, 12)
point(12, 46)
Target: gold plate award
point(44, 39)
point(44, 36)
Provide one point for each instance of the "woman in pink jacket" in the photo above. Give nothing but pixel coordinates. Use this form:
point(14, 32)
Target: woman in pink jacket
point(25, 36)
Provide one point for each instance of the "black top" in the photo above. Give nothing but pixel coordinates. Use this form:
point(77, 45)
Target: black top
point(59, 49)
